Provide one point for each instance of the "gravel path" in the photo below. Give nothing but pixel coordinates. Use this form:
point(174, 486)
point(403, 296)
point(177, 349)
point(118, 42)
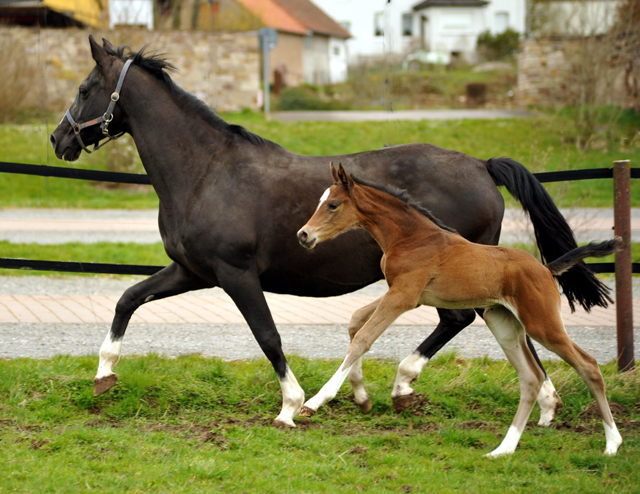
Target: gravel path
point(235, 341)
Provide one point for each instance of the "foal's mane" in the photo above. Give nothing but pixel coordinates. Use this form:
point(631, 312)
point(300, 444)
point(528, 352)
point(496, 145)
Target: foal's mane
point(404, 196)
point(158, 66)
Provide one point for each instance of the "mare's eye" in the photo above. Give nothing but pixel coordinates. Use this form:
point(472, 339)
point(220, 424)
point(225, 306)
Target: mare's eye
point(333, 205)
point(83, 91)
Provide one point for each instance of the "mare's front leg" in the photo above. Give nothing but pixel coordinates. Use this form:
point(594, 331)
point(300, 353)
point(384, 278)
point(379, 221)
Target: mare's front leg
point(244, 288)
point(391, 306)
point(172, 280)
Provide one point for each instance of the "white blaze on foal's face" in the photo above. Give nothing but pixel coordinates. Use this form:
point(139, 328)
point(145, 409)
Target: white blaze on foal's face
point(323, 198)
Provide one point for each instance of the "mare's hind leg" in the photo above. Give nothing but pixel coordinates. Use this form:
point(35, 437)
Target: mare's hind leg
point(356, 378)
point(172, 280)
point(586, 366)
point(451, 323)
point(511, 337)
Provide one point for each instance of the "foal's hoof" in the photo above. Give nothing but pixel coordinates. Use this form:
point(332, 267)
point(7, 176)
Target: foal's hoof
point(401, 403)
point(102, 384)
point(307, 412)
point(366, 406)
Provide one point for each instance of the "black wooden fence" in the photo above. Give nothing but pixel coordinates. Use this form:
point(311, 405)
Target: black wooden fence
point(621, 173)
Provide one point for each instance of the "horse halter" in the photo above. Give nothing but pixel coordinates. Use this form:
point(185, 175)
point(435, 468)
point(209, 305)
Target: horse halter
point(104, 120)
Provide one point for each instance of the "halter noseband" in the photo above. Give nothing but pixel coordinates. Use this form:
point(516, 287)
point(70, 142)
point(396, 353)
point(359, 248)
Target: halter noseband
point(104, 120)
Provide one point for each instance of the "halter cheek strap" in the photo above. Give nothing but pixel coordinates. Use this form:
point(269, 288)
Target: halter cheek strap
point(103, 120)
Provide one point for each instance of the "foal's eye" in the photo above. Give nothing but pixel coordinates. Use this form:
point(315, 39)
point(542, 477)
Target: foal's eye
point(333, 205)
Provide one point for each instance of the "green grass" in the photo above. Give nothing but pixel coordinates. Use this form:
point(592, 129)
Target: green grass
point(202, 425)
point(543, 143)
point(104, 252)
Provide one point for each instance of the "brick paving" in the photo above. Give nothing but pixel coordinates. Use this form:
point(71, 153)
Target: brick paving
point(218, 308)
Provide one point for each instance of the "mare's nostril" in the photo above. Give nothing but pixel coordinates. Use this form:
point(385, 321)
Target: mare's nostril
point(52, 140)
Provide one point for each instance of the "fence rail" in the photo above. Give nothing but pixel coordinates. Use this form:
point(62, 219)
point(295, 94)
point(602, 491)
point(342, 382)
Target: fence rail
point(621, 174)
point(141, 179)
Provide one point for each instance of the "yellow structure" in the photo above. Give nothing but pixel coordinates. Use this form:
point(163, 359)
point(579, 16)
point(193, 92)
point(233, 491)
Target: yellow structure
point(89, 12)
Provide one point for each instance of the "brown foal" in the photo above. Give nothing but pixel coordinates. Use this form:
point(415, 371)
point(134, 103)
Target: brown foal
point(426, 263)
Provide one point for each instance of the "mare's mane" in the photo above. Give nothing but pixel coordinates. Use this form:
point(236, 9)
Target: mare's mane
point(158, 66)
point(404, 196)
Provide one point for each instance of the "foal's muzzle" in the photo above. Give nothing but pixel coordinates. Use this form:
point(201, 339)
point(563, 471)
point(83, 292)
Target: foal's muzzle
point(307, 241)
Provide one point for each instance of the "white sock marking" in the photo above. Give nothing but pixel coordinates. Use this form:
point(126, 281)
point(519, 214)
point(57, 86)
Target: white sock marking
point(292, 399)
point(509, 443)
point(614, 439)
point(329, 390)
point(110, 352)
point(548, 400)
point(408, 371)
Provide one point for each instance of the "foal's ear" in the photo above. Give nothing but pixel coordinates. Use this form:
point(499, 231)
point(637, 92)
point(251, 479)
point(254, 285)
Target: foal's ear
point(334, 173)
point(344, 178)
point(98, 53)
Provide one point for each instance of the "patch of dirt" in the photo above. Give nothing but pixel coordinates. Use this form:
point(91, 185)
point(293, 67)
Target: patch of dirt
point(592, 411)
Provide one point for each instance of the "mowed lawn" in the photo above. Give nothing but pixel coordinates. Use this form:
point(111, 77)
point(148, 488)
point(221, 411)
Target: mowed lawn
point(203, 425)
point(544, 142)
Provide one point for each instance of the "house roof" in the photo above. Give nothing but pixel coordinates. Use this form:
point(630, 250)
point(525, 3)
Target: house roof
point(314, 18)
point(295, 16)
point(450, 3)
point(54, 12)
point(272, 15)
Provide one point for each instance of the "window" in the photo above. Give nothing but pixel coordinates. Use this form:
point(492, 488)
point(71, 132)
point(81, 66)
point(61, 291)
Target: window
point(502, 22)
point(336, 51)
point(378, 23)
point(407, 24)
point(308, 43)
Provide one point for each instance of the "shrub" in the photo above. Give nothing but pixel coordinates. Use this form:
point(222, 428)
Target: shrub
point(499, 46)
point(18, 77)
point(308, 98)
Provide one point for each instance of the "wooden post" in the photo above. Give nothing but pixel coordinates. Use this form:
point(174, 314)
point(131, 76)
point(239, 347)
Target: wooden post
point(624, 294)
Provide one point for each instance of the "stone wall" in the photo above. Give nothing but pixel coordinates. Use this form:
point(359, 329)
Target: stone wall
point(223, 69)
point(560, 70)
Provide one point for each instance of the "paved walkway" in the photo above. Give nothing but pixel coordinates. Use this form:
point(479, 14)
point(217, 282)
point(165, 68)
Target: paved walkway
point(56, 226)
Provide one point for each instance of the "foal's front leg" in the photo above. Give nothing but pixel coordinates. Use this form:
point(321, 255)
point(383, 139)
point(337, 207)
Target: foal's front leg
point(391, 306)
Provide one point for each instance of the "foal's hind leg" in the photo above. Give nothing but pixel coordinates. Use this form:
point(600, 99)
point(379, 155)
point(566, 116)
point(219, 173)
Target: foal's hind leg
point(172, 280)
point(586, 366)
point(510, 334)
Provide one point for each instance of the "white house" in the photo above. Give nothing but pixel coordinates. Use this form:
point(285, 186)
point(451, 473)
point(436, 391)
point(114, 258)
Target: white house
point(131, 13)
point(398, 27)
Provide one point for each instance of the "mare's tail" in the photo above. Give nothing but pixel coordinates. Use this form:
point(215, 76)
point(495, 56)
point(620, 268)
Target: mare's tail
point(594, 249)
point(553, 234)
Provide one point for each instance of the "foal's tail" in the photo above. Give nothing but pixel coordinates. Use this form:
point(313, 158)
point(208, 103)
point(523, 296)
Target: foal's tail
point(553, 234)
point(594, 249)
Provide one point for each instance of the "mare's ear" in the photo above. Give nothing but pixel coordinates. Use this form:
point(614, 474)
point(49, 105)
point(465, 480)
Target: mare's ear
point(334, 173)
point(344, 178)
point(108, 47)
point(97, 52)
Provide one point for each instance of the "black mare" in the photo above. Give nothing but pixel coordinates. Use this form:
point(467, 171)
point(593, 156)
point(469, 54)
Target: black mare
point(229, 209)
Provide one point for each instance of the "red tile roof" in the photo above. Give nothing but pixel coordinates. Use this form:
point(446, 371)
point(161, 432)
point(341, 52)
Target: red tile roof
point(273, 15)
point(295, 16)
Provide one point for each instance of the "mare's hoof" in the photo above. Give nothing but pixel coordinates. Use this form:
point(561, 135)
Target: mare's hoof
point(281, 424)
point(102, 384)
point(307, 412)
point(401, 403)
point(366, 406)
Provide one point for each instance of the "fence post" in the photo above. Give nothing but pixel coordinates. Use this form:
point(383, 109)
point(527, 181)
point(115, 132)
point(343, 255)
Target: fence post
point(624, 294)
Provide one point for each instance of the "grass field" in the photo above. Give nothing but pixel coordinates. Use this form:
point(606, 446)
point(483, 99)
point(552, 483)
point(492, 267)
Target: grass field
point(202, 425)
point(543, 143)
